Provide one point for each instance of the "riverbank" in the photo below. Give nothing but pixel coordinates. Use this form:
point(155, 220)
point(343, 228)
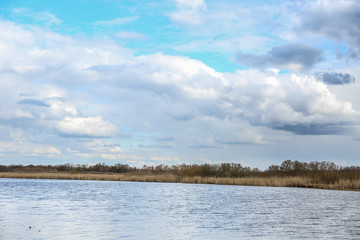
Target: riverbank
point(302, 182)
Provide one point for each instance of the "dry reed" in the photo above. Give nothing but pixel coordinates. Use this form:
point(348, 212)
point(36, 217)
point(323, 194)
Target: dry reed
point(247, 181)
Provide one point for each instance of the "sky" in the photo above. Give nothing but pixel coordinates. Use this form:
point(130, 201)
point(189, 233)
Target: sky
point(179, 81)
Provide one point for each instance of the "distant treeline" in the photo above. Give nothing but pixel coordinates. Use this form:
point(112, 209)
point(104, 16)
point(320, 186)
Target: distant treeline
point(321, 172)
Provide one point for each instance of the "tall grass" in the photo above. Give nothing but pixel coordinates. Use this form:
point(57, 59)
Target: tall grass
point(289, 174)
point(305, 182)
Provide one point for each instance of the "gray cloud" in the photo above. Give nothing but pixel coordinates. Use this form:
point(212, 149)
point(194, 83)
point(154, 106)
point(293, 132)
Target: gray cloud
point(315, 129)
point(156, 146)
point(290, 56)
point(204, 146)
point(336, 20)
point(34, 102)
point(335, 78)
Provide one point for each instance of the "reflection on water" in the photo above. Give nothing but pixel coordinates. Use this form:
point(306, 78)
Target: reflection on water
point(66, 209)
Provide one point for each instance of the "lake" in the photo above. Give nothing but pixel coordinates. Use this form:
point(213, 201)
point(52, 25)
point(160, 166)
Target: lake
point(70, 209)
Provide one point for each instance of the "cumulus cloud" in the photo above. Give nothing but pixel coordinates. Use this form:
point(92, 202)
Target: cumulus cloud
point(182, 100)
point(46, 151)
point(189, 12)
point(335, 20)
point(89, 127)
point(174, 77)
point(335, 78)
point(298, 57)
point(295, 103)
point(189, 90)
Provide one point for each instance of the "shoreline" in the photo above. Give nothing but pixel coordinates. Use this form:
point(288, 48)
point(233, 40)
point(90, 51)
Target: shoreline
point(300, 182)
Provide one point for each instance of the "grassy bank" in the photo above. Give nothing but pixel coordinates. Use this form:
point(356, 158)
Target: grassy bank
point(274, 181)
point(325, 175)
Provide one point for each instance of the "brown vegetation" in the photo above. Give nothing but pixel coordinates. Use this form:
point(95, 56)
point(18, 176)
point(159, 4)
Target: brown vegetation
point(324, 175)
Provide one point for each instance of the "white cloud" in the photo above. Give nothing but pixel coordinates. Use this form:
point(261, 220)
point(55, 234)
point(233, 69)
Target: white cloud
point(116, 22)
point(87, 127)
point(162, 159)
point(131, 36)
point(46, 151)
point(16, 114)
point(120, 157)
point(116, 150)
point(44, 16)
point(224, 45)
point(70, 150)
point(187, 88)
point(193, 4)
point(86, 155)
point(189, 12)
point(71, 85)
point(289, 101)
point(51, 150)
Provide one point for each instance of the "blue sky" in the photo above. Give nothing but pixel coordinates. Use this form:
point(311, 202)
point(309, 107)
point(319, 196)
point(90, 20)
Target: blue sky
point(178, 81)
point(148, 26)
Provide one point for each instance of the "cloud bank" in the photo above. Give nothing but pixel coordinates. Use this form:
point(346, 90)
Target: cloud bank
point(171, 88)
point(90, 98)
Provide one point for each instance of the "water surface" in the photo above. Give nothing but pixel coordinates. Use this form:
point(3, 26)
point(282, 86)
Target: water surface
point(68, 209)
